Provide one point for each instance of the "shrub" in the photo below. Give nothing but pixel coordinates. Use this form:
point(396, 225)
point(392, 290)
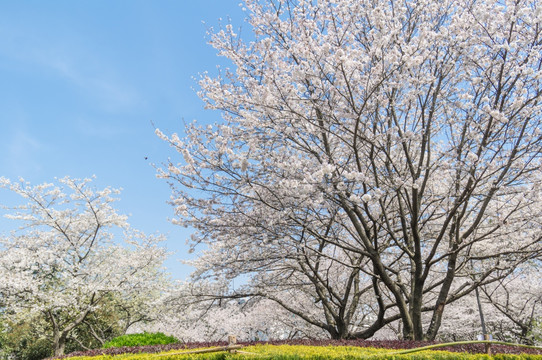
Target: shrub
point(37, 350)
point(143, 339)
point(24, 340)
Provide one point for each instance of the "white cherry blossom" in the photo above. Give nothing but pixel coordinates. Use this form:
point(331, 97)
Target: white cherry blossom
point(429, 113)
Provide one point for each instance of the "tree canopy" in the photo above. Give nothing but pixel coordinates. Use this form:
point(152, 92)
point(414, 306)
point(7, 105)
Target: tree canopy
point(381, 158)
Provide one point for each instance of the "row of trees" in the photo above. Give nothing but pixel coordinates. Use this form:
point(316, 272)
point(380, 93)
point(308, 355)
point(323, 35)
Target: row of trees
point(377, 161)
point(511, 311)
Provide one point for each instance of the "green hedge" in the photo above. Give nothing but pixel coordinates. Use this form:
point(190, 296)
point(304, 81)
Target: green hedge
point(141, 339)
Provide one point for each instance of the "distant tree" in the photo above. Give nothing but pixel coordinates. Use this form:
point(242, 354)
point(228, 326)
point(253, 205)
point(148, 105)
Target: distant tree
point(192, 319)
point(388, 150)
point(510, 307)
point(72, 254)
point(518, 300)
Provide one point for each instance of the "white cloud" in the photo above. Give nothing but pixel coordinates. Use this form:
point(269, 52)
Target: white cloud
point(99, 129)
point(22, 151)
point(72, 59)
point(111, 94)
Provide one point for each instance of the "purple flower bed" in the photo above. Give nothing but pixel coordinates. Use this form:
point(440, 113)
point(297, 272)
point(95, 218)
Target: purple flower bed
point(388, 344)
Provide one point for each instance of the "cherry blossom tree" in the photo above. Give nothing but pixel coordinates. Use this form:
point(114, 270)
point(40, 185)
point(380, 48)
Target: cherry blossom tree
point(381, 150)
point(510, 307)
point(71, 252)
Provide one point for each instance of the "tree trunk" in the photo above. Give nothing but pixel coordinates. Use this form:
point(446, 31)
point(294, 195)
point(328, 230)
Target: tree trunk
point(416, 310)
point(436, 320)
point(59, 342)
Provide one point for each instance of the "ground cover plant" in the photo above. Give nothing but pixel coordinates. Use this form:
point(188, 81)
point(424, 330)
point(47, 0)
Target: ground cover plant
point(286, 351)
point(389, 345)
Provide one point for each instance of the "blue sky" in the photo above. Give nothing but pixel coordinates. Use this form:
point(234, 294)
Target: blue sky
point(81, 83)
